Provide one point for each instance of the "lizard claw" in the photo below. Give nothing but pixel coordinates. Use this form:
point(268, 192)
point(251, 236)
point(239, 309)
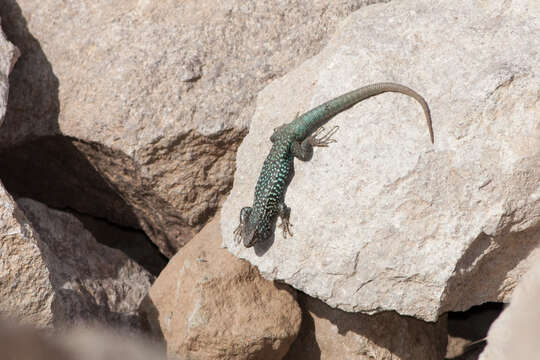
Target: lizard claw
point(238, 234)
point(286, 227)
point(324, 140)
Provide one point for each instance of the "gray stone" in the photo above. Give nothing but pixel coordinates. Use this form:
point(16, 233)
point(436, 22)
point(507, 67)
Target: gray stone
point(26, 291)
point(134, 244)
point(8, 56)
point(383, 219)
point(92, 282)
point(54, 273)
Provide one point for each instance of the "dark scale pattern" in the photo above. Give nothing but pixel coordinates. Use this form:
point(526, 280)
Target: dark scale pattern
point(295, 140)
point(274, 178)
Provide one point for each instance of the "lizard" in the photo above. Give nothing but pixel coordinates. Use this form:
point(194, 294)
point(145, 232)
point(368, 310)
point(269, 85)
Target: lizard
point(297, 139)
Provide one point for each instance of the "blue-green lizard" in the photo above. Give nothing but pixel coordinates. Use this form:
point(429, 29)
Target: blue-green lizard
point(296, 139)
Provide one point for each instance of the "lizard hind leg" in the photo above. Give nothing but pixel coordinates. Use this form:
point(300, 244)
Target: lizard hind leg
point(240, 229)
point(304, 150)
point(284, 213)
point(325, 139)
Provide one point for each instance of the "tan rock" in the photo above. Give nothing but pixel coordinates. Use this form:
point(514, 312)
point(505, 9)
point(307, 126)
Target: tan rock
point(384, 220)
point(207, 304)
point(63, 275)
point(328, 333)
point(154, 97)
point(515, 333)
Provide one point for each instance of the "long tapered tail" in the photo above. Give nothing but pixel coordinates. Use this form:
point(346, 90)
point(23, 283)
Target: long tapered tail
point(315, 118)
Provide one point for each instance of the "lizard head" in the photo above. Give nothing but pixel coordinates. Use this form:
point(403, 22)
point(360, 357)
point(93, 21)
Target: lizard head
point(250, 237)
point(249, 230)
point(249, 234)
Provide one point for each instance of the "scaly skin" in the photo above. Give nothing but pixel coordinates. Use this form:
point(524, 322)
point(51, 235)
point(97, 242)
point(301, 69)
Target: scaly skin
point(296, 139)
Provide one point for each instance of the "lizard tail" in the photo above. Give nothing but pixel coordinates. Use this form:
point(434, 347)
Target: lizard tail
point(379, 88)
point(316, 117)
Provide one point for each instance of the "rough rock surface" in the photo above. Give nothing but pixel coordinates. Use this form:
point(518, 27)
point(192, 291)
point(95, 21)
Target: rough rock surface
point(208, 304)
point(26, 292)
point(328, 333)
point(92, 282)
point(153, 104)
point(68, 277)
point(384, 220)
point(133, 243)
point(8, 57)
point(515, 333)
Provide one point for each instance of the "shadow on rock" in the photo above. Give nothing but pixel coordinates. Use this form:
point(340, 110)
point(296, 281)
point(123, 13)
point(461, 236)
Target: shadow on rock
point(38, 162)
point(327, 332)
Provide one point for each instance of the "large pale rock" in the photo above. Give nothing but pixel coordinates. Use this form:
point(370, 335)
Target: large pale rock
point(208, 304)
point(8, 57)
point(515, 333)
point(383, 219)
point(328, 334)
point(153, 97)
point(64, 276)
point(26, 291)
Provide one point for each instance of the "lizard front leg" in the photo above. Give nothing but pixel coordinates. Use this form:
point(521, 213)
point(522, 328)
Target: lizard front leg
point(304, 150)
point(284, 213)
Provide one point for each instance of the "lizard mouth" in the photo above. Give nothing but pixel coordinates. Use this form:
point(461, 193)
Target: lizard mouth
point(249, 243)
point(250, 239)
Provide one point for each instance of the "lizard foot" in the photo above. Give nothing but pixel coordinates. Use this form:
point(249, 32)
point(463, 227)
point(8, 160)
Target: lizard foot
point(238, 234)
point(240, 230)
point(286, 227)
point(324, 140)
